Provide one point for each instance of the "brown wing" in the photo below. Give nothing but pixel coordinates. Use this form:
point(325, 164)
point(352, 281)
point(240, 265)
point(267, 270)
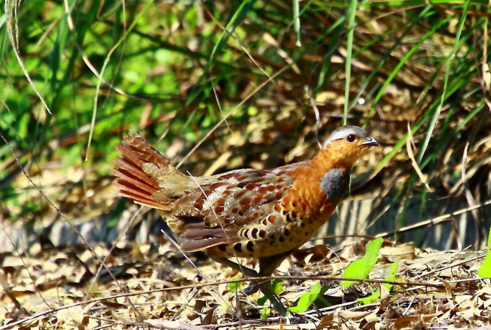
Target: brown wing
point(216, 212)
point(205, 211)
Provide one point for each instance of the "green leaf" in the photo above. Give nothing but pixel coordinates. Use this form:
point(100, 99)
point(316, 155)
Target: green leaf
point(374, 297)
point(361, 268)
point(306, 299)
point(321, 301)
point(232, 287)
point(265, 313)
point(392, 275)
point(277, 286)
point(261, 301)
point(485, 270)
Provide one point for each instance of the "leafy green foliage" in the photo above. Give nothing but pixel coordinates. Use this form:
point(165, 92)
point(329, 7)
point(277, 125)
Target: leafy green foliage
point(265, 312)
point(307, 299)
point(374, 297)
point(484, 270)
point(232, 287)
point(277, 286)
point(360, 268)
point(261, 301)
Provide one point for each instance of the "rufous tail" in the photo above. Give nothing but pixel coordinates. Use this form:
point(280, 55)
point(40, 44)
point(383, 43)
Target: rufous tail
point(132, 181)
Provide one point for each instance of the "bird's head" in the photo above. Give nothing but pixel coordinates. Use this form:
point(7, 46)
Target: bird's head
point(347, 144)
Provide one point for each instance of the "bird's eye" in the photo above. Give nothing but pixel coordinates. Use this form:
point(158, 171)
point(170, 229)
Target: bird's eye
point(351, 138)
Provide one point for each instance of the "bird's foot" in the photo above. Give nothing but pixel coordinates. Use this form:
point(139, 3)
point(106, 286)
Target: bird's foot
point(277, 304)
point(252, 288)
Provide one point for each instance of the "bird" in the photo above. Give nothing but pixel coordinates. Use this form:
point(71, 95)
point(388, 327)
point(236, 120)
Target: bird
point(264, 214)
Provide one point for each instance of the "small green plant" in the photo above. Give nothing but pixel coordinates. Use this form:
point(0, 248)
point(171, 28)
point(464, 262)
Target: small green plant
point(374, 297)
point(485, 270)
point(265, 313)
point(360, 268)
point(232, 287)
point(276, 288)
point(307, 299)
point(357, 269)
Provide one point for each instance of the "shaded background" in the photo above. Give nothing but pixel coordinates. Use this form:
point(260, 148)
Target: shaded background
point(230, 84)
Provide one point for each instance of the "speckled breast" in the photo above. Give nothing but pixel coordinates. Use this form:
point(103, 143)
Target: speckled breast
point(294, 220)
point(289, 237)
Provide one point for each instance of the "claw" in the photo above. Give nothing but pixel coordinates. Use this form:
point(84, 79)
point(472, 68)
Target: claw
point(252, 288)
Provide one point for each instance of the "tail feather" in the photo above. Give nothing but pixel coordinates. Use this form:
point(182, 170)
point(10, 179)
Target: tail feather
point(141, 152)
point(135, 176)
point(133, 182)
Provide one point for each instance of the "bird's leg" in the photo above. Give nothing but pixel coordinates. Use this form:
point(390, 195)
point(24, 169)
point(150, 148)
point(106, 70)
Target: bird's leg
point(226, 262)
point(277, 304)
point(267, 266)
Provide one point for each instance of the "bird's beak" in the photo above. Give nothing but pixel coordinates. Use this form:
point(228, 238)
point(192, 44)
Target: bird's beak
point(370, 141)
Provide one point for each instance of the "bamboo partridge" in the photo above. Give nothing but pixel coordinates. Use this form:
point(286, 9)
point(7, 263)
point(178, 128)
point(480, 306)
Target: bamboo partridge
point(262, 214)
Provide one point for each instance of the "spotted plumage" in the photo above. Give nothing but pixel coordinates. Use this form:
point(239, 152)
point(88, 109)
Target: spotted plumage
point(263, 214)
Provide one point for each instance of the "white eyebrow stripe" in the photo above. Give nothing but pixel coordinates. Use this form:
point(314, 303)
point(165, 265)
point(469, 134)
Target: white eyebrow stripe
point(339, 135)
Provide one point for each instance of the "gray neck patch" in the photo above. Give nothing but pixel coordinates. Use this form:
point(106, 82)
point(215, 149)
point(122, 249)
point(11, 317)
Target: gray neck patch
point(343, 132)
point(335, 184)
